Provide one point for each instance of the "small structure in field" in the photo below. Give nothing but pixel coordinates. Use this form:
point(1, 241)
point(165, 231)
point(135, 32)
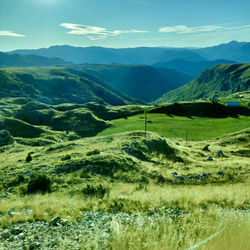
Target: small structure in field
point(233, 104)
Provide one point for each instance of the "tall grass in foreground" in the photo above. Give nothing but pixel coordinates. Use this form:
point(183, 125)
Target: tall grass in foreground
point(126, 198)
point(182, 233)
point(167, 217)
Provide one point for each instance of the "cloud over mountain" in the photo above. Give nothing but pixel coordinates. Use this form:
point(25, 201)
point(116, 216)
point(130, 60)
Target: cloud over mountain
point(183, 29)
point(10, 33)
point(94, 33)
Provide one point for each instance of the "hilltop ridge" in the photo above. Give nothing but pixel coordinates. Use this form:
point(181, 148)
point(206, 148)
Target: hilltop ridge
point(220, 80)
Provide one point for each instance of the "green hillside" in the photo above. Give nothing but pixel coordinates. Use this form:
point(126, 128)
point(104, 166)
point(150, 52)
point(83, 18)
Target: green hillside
point(55, 85)
point(139, 81)
point(218, 81)
point(37, 123)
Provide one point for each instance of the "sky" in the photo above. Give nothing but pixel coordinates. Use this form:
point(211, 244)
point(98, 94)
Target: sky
point(31, 24)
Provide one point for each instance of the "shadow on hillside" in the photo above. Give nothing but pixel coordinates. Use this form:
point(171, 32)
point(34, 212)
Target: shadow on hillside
point(201, 109)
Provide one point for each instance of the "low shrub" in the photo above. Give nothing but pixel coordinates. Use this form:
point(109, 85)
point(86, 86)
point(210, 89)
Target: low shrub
point(65, 157)
point(94, 152)
point(97, 191)
point(39, 183)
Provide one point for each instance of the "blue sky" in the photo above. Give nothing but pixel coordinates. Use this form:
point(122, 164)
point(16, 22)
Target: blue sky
point(122, 23)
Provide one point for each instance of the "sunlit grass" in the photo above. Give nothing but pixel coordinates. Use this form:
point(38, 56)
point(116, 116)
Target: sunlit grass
point(70, 204)
point(194, 128)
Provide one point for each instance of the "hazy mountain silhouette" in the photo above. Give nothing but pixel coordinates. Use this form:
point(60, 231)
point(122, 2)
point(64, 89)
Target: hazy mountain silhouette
point(29, 60)
point(236, 51)
point(191, 68)
point(141, 55)
point(139, 81)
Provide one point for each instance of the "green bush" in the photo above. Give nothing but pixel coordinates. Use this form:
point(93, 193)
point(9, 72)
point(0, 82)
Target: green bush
point(39, 183)
point(98, 191)
point(93, 152)
point(65, 157)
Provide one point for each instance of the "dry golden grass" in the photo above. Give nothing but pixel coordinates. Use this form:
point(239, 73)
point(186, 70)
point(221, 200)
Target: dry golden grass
point(186, 232)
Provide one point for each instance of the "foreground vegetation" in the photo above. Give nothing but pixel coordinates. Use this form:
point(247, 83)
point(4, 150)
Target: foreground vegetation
point(163, 229)
point(127, 191)
point(185, 181)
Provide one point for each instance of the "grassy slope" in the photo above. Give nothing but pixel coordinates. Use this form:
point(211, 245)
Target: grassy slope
point(220, 80)
point(195, 128)
point(138, 172)
point(59, 85)
point(205, 206)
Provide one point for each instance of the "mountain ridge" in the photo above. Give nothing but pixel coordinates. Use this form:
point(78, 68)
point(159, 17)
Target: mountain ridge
point(220, 80)
point(55, 85)
point(235, 51)
point(191, 68)
point(102, 55)
point(28, 60)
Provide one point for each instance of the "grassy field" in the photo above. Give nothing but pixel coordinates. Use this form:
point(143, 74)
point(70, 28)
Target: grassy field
point(193, 128)
point(122, 190)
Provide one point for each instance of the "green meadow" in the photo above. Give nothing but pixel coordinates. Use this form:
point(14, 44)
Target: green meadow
point(188, 128)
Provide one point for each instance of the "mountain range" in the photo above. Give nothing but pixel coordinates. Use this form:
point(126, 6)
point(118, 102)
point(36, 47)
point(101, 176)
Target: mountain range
point(101, 55)
point(53, 79)
point(234, 51)
point(105, 84)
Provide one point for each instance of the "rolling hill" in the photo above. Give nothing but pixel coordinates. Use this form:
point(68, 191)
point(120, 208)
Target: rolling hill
point(14, 60)
point(139, 81)
point(217, 81)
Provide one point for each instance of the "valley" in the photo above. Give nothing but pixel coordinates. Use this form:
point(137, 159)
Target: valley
point(79, 171)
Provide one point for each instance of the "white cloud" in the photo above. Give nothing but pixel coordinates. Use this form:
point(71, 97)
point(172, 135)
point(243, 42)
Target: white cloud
point(182, 29)
point(9, 33)
point(95, 33)
point(238, 27)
